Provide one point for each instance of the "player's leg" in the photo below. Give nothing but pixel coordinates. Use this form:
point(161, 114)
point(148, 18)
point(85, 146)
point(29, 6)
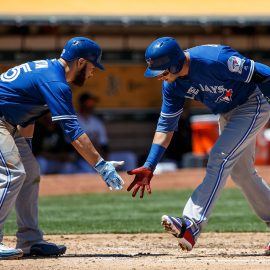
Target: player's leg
point(242, 126)
point(27, 200)
point(12, 175)
point(29, 236)
point(240, 129)
point(252, 185)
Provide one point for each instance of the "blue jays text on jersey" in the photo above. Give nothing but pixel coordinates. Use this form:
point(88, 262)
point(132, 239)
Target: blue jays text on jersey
point(218, 76)
point(31, 90)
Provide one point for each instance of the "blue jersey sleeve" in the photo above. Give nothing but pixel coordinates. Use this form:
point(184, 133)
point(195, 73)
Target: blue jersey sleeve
point(71, 128)
point(172, 107)
point(234, 66)
point(58, 96)
point(263, 70)
point(262, 78)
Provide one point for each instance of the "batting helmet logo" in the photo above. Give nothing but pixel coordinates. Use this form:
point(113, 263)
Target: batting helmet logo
point(149, 62)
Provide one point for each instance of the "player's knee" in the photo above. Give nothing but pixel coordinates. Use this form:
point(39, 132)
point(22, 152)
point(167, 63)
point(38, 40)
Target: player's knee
point(17, 178)
point(15, 170)
point(216, 157)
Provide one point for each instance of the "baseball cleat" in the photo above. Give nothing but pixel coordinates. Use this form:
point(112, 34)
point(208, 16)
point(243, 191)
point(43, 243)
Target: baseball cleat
point(179, 228)
point(7, 253)
point(44, 249)
point(267, 249)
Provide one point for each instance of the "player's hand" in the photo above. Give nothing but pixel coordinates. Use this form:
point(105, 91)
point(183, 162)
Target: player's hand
point(141, 181)
point(108, 173)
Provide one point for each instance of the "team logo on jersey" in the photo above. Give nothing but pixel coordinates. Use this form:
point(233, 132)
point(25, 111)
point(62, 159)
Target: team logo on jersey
point(235, 64)
point(223, 94)
point(226, 96)
point(192, 92)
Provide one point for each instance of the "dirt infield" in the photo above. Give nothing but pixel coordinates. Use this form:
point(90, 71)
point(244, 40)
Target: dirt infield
point(152, 251)
point(238, 251)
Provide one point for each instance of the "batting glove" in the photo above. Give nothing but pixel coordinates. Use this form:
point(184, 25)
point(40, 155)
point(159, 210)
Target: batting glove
point(141, 180)
point(108, 173)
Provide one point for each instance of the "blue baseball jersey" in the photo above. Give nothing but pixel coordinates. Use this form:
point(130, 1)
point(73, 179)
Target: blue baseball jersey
point(31, 90)
point(218, 76)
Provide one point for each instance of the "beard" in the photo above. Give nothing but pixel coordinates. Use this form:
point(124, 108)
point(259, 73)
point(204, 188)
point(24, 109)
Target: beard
point(79, 79)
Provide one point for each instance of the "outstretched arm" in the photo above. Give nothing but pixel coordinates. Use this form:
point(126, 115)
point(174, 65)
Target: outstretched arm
point(86, 149)
point(144, 174)
point(58, 97)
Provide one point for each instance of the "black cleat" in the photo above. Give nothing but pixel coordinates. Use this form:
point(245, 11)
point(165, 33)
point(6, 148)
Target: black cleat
point(46, 249)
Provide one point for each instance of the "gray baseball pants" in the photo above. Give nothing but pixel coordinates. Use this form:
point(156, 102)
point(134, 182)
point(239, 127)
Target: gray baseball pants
point(19, 185)
point(233, 154)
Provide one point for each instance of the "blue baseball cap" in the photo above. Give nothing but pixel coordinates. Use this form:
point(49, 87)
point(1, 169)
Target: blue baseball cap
point(81, 47)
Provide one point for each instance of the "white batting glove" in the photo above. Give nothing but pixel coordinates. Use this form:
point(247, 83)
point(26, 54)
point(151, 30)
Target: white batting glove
point(108, 173)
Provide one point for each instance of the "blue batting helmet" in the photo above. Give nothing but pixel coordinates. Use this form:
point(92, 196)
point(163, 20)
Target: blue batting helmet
point(163, 53)
point(81, 47)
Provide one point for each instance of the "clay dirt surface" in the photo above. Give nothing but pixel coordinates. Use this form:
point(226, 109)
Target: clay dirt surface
point(213, 251)
point(217, 251)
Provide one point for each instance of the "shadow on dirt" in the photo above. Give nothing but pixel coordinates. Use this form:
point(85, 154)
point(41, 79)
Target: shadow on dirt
point(138, 255)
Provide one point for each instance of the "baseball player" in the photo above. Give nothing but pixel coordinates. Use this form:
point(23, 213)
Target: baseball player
point(27, 92)
point(228, 84)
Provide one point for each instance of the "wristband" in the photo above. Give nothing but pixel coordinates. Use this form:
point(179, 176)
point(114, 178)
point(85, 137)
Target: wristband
point(100, 165)
point(155, 155)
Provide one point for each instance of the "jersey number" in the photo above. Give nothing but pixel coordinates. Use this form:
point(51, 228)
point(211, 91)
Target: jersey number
point(13, 73)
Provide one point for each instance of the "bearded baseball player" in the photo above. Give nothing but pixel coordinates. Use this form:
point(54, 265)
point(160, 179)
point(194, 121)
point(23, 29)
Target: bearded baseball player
point(27, 92)
point(228, 84)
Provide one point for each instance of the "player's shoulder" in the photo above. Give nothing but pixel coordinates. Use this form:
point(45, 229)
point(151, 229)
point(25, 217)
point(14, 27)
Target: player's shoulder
point(50, 74)
point(49, 70)
point(228, 54)
point(207, 52)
